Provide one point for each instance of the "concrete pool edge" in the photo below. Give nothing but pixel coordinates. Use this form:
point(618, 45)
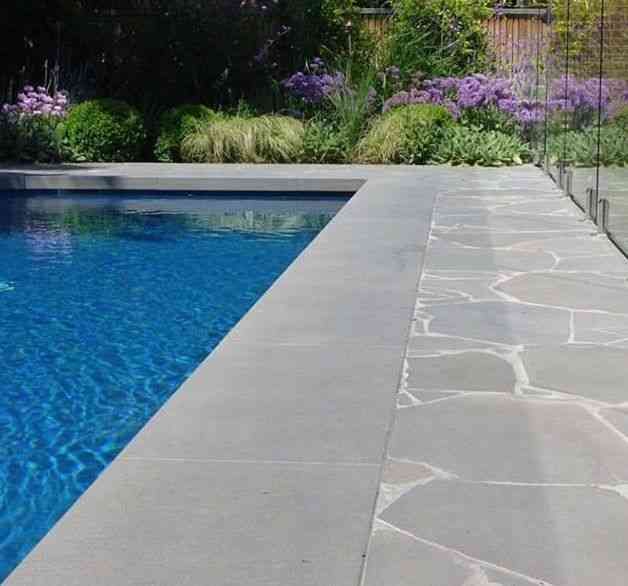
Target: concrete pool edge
point(155, 177)
point(309, 455)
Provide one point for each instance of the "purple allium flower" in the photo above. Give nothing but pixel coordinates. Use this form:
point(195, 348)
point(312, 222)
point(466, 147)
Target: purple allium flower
point(31, 103)
point(583, 98)
point(470, 93)
point(315, 84)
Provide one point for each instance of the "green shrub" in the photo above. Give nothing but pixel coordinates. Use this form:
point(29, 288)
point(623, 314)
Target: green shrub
point(405, 135)
point(104, 130)
point(614, 146)
point(580, 148)
point(236, 139)
point(489, 118)
point(174, 126)
point(323, 143)
point(30, 139)
point(621, 118)
point(438, 37)
point(461, 145)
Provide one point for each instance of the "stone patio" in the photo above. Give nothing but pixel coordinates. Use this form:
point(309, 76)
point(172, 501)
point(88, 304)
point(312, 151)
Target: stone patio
point(507, 463)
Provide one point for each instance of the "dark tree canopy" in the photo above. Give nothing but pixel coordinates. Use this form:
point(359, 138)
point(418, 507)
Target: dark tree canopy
point(164, 52)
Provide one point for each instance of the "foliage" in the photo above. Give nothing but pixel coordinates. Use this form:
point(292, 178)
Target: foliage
point(463, 145)
point(582, 99)
point(613, 146)
point(29, 139)
point(574, 23)
point(405, 135)
point(174, 126)
point(339, 100)
point(238, 139)
point(28, 128)
point(324, 143)
point(213, 52)
point(475, 100)
point(576, 27)
point(103, 130)
point(350, 107)
point(438, 37)
point(621, 118)
point(313, 27)
point(580, 148)
point(314, 85)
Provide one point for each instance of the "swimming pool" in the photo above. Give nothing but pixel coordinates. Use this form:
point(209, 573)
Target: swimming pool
point(108, 302)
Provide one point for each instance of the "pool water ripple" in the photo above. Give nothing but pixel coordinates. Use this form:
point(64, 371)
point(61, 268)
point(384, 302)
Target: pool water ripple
point(106, 306)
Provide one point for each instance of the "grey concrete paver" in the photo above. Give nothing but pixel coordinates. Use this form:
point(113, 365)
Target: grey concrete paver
point(227, 523)
point(326, 414)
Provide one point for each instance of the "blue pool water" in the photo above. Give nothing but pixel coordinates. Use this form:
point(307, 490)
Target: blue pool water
point(107, 304)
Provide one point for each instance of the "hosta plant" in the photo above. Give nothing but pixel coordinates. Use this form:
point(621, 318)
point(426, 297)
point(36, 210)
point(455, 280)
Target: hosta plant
point(462, 145)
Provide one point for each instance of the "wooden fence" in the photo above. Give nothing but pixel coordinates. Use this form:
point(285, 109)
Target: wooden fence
point(513, 33)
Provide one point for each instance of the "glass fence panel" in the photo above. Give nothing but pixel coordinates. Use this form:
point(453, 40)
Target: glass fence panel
point(613, 171)
point(557, 90)
point(536, 74)
point(583, 99)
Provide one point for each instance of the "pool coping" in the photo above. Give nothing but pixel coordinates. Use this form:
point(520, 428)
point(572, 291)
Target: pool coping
point(273, 477)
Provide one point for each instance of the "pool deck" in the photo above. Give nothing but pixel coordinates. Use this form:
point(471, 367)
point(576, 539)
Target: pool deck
point(435, 393)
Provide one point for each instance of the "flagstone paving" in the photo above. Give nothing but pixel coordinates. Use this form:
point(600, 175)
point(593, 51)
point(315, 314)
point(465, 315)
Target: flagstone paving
point(507, 462)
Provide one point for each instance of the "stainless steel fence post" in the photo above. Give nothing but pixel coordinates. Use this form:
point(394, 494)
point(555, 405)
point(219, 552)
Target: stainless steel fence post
point(568, 181)
point(592, 203)
point(603, 210)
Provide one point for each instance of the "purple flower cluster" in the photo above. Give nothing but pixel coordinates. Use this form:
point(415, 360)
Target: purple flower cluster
point(473, 92)
point(571, 95)
point(314, 84)
point(584, 97)
point(34, 102)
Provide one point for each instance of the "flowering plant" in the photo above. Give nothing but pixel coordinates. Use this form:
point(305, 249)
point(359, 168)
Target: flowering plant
point(582, 99)
point(315, 83)
point(474, 98)
point(28, 128)
point(32, 102)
